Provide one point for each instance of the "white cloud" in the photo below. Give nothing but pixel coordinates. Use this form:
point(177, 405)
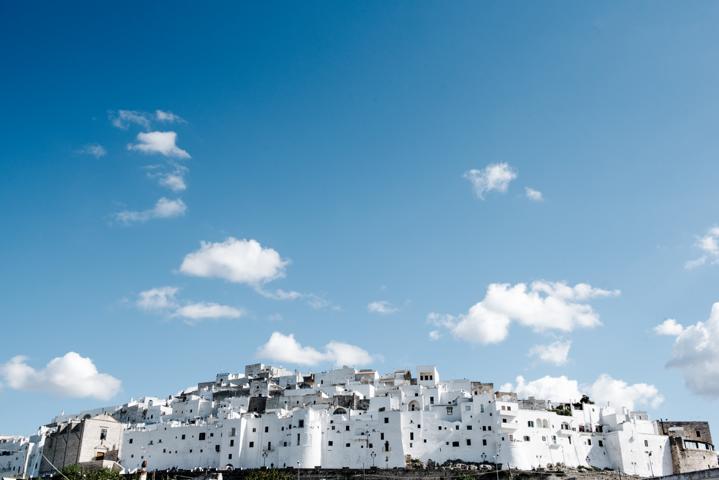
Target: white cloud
point(556, 389)
point(168, 117)
point(279, 294)
point(124, 118)
point(160, 298)
point(345, 354)
point(708, 244)
point(435, 335)
point(533, 195)
point(173, 181)
point(555, 353)
point(696, 354)
point(195, 312)
point(164, 300)
point(542, 306)
point(163, 143)
point(284, 348)
point(171, 176)
point(618, 393)
point(382, 307)
point(70, 375)
point(164, 208)
point(314, 301)
point(239, 261)
point(493, 177)
point(94, 149)
point(669, 327)
point(605, 390)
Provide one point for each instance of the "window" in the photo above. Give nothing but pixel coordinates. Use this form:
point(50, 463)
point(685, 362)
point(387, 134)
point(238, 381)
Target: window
point(267, 429)
point(449, 410)
point(411, 435)
point(269, 445)
point(232, 443)
point(484, 442)
point(330, 443)
point(229, 456)
point(530, 423)
point(298, 439)
point(600, 443)
point(233, 432)
point(431, 400)
point(469, 427)
point(484, 428)
point(699, 434)
point(386, 419)
point(301, 424)
point(183, 436)
point(217, 448)
point(469, 442)
point(347, 445)
point(455, 444)
point(254, 429)
point(130, 440)
point(489, 427)
point(504, 420)
point(646, 443)
point(201, 436)
point(381, 435)
point(252, 444)
point(347, 428)
point(589, 441)
point(103, 434)
point(526, 438)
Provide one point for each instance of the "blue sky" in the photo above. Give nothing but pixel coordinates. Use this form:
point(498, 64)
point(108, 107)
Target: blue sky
point(339, 137)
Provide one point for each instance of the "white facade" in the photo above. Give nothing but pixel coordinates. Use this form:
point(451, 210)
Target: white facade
point(346, 418)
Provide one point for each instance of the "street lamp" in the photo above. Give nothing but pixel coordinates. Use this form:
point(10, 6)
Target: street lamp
point(496, 466)
point(264, 458)
point(298, 470)
point(373, 455)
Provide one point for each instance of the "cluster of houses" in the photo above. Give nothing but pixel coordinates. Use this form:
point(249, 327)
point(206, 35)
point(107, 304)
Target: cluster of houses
point(347, 418)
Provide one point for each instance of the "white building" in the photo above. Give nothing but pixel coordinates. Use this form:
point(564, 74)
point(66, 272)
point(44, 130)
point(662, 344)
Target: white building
point(341, 418)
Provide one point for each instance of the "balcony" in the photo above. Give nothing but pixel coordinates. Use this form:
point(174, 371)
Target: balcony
point(509, 425)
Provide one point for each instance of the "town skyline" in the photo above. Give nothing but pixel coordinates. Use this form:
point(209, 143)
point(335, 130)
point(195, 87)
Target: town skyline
point(523, 194)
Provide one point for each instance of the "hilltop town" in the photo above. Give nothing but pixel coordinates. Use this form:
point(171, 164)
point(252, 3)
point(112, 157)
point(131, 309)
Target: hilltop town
point(347, 418)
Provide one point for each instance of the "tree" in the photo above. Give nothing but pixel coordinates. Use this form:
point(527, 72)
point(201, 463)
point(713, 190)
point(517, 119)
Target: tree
point(270, 474)
point(75, 472)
